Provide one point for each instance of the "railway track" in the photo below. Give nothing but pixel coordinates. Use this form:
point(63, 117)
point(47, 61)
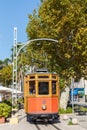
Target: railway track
point(39, 127)
point(57, 128)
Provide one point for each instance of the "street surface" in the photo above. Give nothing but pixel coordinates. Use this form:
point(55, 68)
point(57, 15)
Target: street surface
point(82, 120)
point(62, 125)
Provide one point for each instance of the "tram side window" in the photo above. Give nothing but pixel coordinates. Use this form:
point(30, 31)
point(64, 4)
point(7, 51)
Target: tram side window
point(43, 88)
point(53, 87)
point(32, 87)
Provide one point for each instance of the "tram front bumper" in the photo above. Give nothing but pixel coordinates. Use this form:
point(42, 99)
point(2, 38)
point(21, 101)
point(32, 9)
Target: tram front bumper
point(43, 116)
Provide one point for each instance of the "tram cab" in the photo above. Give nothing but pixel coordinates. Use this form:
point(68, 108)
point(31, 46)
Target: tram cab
point(41, 95)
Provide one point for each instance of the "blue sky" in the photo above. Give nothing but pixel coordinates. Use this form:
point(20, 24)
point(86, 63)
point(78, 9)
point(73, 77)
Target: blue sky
point(14, 13)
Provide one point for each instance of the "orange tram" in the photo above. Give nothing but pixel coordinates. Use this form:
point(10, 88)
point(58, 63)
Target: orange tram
point(41, 95)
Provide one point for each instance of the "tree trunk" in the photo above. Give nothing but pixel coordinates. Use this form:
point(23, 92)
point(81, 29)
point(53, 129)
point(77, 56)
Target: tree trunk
point(64, 98)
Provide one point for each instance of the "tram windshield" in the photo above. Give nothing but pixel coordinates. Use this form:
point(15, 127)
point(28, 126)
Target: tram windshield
point(43, 88)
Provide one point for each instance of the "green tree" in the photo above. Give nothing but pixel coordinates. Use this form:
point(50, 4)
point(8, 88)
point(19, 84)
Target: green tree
point(6, 61)
point(6, 75)
point(1, 64)
point(65, 21)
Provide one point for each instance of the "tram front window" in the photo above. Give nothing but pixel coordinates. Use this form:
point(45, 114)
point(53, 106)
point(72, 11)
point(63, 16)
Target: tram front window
point(43, 88)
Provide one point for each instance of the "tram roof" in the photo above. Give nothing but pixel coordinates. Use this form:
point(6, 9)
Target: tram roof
point(42, 70)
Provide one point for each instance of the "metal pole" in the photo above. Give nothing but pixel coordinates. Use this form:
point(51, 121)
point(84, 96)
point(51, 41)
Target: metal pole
point(14, 66)
point(16, 61)
point(72, 89)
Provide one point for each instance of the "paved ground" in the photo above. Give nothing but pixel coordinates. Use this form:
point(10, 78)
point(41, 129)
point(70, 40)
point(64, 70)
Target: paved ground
point(63, 125)
point(82, 120)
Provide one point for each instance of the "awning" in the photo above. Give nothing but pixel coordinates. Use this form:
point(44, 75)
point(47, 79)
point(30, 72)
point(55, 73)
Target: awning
point(5, 89)
point(75, 91)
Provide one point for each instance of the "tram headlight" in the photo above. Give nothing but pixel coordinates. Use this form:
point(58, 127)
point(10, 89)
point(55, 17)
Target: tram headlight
point(44, 107)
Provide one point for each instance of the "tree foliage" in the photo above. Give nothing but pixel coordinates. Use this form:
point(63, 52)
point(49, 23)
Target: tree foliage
point(65, 21)
point(6, 75)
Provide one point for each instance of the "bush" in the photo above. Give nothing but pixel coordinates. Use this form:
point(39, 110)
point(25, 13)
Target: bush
point(8, 102)
point(83, 109)
point(5, 110)
point(20, 102)
point(68, 110)
point(70, 122)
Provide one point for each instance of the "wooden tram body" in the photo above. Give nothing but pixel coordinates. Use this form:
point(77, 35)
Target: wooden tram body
point(41, 95)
